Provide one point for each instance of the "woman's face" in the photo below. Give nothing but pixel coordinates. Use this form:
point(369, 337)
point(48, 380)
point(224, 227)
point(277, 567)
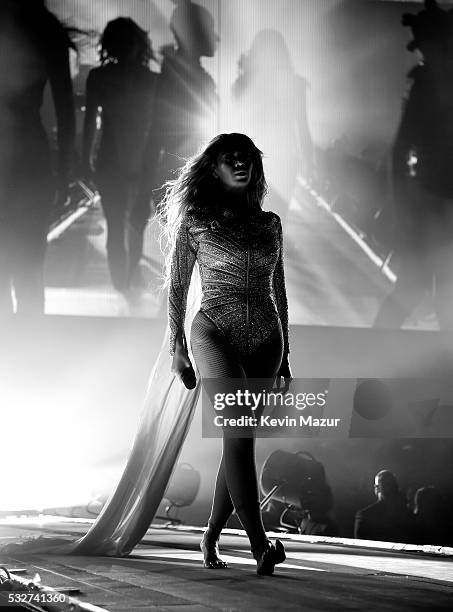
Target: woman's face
point(234, 170)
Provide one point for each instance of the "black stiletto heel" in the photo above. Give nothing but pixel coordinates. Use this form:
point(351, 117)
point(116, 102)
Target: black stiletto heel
point(209, 546)
point(268, 558)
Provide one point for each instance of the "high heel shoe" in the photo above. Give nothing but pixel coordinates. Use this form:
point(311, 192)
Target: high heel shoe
point(268, 558)
point(209, 546)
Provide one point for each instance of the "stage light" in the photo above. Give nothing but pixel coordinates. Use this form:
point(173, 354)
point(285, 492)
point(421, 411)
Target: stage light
point(297, 496)
point(291, 478)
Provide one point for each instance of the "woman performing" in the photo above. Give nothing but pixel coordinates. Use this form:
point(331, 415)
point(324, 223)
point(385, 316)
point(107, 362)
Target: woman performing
point(212, 214)
point(123, 87)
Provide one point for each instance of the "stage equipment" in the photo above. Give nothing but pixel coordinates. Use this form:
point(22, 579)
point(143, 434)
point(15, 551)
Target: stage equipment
point(294, 487)
point(182, 491)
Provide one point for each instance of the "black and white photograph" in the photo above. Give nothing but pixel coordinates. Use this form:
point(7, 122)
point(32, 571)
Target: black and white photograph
point(226, 305)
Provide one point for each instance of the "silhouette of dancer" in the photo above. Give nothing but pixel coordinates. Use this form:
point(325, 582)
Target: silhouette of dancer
point(214, 216)
point(123, 88)
point(271, 102)
point(34, 51)
point(186, 99)
point(422, 176)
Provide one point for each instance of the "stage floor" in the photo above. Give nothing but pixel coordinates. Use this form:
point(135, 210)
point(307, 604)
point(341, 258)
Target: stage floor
point(164, 573)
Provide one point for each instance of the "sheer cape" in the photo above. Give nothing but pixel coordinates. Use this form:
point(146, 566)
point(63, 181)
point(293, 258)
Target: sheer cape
point(164, 423)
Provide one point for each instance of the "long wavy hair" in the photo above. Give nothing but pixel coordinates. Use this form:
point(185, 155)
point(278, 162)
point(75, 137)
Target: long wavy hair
point(120, 37)
point(195, 189)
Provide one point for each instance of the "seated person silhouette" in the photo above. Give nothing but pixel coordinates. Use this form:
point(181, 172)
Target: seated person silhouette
point(431, 518)
point(388, 519)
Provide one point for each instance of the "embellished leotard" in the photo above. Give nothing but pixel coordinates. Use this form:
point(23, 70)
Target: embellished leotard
point(241, 268)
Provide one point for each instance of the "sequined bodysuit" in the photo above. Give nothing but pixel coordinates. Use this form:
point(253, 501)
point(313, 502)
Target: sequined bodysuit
point(242, 277)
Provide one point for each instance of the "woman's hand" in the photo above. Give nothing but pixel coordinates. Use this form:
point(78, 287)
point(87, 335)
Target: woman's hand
point(284, 372)
point(181, 365)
